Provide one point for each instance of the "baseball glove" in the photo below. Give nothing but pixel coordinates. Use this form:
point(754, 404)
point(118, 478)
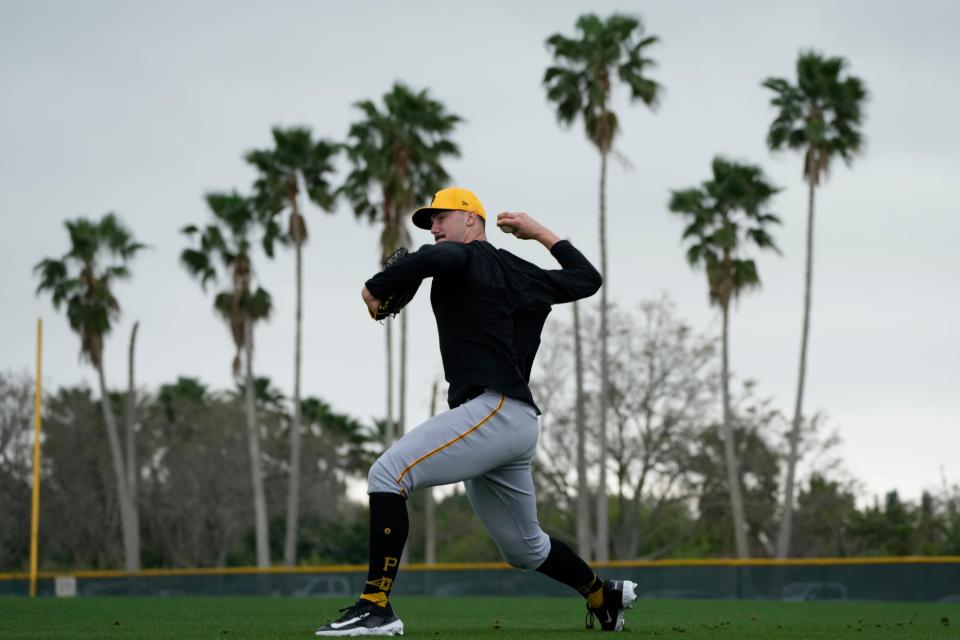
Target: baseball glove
point(399, 299)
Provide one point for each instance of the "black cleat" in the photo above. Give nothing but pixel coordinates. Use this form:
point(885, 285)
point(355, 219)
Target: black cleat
point(364, 618)
point(617, 596)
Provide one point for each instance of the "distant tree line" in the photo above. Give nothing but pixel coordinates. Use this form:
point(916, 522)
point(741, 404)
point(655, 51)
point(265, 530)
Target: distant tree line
point(668, 499)
point(627, 452)
point(194, 489)
point(669, 496)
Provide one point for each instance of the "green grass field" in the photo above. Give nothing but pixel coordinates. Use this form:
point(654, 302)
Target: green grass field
point(502, 618)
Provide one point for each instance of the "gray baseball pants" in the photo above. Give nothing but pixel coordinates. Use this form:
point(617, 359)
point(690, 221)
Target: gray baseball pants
point(489, 444)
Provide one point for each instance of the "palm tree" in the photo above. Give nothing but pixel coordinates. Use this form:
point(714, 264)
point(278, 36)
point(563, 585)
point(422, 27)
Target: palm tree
point(724, 215)
point(580, 84)
point(821, 116)
point(396, 156)
point(225, 246)
point(82, 280)
point(295, 154)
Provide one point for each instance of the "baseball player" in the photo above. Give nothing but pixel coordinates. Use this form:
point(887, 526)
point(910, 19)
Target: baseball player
point(490, 308)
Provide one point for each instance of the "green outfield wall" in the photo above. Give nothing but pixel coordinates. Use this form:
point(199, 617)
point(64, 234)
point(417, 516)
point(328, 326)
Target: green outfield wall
point(909, 579)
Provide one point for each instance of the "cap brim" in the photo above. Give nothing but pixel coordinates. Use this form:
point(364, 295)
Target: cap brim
point(423, 217)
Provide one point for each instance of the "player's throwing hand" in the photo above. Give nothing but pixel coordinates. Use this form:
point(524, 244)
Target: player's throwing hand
point(524, 227)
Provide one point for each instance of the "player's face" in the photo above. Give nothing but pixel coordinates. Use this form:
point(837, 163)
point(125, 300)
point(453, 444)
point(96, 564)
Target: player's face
point(449, 226)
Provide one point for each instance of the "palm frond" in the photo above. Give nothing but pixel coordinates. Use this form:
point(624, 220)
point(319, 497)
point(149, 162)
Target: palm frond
point(52, 273)
point(724, 213)
point(820, 114)
point(579, 82)
point(744, 276)
point(295, 154)
point(724, 238)
point(397, 154)
point(116, 272)
point(762, 239)
point(198, 264)
point(99, 253)
point(258, 304)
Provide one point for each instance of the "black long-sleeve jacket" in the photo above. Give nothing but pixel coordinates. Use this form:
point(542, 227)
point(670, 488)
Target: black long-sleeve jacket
point(490, 307)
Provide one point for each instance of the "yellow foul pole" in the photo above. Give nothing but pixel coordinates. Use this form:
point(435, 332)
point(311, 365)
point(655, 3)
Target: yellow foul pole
point(35, 516)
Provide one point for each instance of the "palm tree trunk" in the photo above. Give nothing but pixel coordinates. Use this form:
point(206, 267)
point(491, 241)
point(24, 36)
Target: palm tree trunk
point(729, 450)
point(127, 523)
point(293, 491)
point(131, 460)
point(402, 403)
point(429, 506)
point(430, 531)
point(388, 435)
point(583, 493)
point(253, 441)
point(786, 523)
point(603, 536)
point(621, 534)
point(402, 414)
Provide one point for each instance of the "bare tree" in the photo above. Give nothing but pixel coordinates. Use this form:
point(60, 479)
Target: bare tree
point(662, 381)
point(16, 440)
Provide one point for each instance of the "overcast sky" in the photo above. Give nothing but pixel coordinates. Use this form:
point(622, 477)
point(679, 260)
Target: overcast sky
point(140, 108)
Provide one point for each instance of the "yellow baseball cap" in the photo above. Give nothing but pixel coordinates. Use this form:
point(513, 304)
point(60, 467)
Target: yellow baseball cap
point(450, 199)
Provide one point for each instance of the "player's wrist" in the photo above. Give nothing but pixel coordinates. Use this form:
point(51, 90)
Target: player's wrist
point(547, 238)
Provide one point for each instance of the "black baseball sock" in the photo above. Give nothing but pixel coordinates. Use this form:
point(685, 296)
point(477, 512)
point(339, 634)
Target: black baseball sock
point(389, 525)
point(565, 566)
